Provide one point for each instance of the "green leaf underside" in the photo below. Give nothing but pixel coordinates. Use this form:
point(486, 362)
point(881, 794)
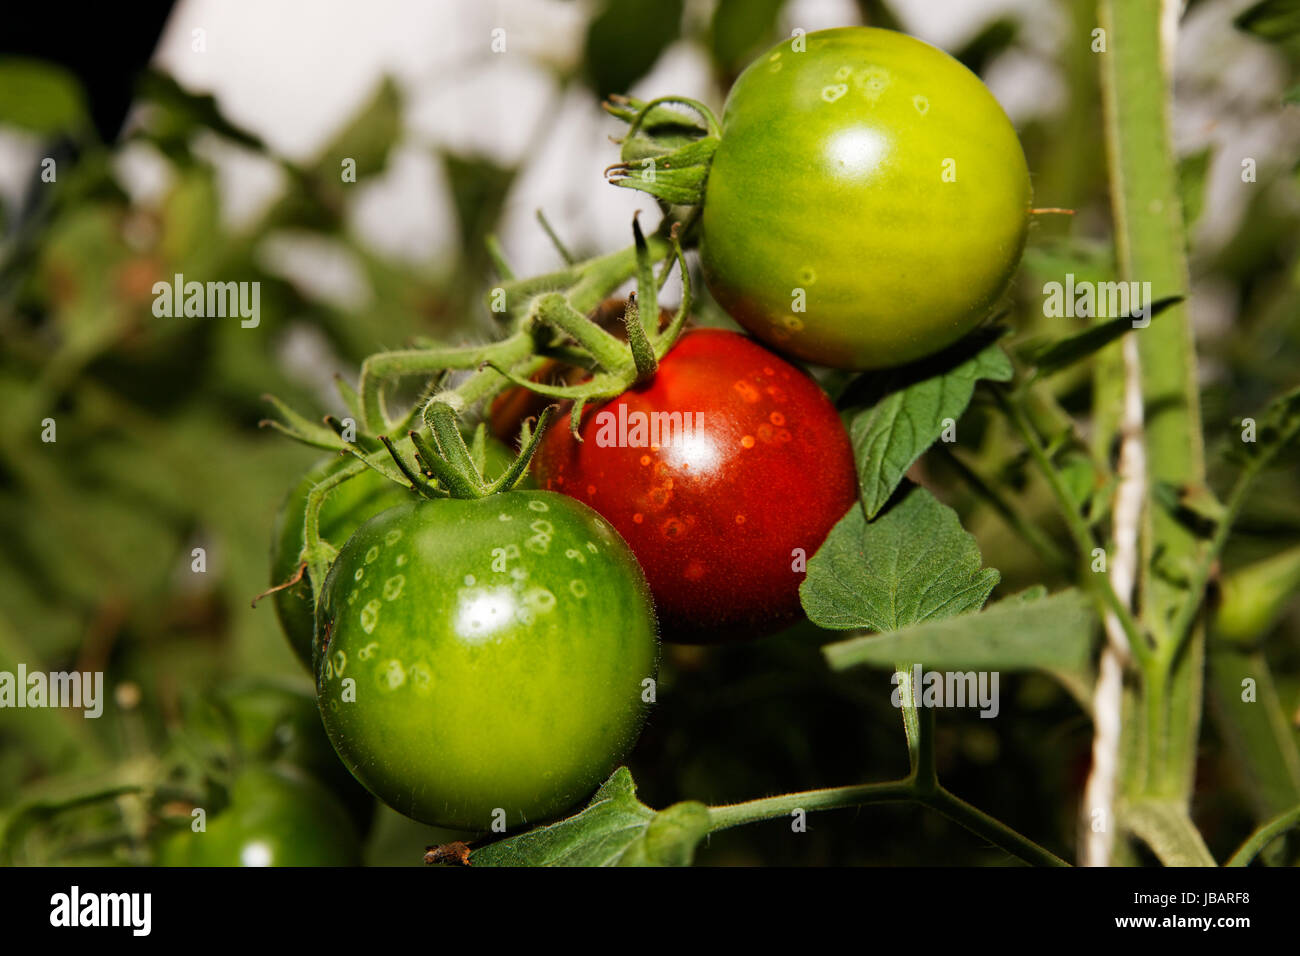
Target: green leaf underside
point(914, 563)
point(614, 829)
point(1022, 632)
point(892, 434)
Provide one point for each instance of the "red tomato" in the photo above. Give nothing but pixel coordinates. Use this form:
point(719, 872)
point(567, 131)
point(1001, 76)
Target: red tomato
point(723, 503)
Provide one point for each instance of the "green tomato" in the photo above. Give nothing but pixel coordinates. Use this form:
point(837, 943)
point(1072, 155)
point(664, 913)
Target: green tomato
point(259, 721)
point(484, 656)
point(868, 202)
point(276, 816)
point(342, 512)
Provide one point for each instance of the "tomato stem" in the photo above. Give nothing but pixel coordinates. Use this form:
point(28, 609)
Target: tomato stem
point(1097, 583)
point(560, 247)
point(905, 790)
point(1264, 835)
point(554, 309)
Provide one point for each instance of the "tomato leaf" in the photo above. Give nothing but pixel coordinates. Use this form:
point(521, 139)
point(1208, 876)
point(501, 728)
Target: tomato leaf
point(1024, 632)
point(624, 40)
point(742, 29)
point(42, 98)
point(478, 188)
point(183, 113)
point(615, 829)
point(1051, 357)
point(1257, 734)
point(1263, 436)
point(987, 45)
point(1274, 20)
point(367, 139)
point(894, 432)
point(914, 563)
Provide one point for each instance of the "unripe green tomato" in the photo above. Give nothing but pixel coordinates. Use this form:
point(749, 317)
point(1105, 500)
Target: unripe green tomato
point(487, 656)
point(1253, 599)
point(277, 816)
point(342, 512)
point(266, 722)
point(868, 202)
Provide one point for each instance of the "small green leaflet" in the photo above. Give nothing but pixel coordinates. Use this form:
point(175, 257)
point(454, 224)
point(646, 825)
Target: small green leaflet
point(1055, 634)
point(1051, 357)
point(42, 98)
point(987, 45)
point(189, 112)
point(625, 38)
point(741, 30)
point(1275, 20)
point(914, 563)
point(1276, 428)
point(368, 139)
point(615, 829)
point(893, 433)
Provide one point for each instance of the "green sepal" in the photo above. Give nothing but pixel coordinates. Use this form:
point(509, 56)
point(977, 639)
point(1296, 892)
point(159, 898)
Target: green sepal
point(666, 153)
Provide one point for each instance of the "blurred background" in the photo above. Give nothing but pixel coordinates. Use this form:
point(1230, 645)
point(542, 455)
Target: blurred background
point(205, 137)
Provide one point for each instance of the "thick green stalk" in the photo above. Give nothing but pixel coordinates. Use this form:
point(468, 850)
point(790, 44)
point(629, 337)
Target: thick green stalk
point(1150, 248)
point(896, 791)
point(831, 798)
point(383, 367)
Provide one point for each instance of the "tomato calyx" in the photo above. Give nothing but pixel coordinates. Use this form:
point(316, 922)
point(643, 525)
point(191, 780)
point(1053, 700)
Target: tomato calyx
point(666, 152)
point(617, 365)
point(452, 464)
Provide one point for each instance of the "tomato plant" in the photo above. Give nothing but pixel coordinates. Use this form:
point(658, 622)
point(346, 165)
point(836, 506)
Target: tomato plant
point(1036, 520)
point(476, 656)
point(723, 511)
point(868, 202)
point(342, 514)
point(254, 722)
point(275, 817)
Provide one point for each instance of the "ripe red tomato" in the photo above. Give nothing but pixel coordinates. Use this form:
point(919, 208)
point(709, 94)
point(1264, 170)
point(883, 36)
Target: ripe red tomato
point(723, 503)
